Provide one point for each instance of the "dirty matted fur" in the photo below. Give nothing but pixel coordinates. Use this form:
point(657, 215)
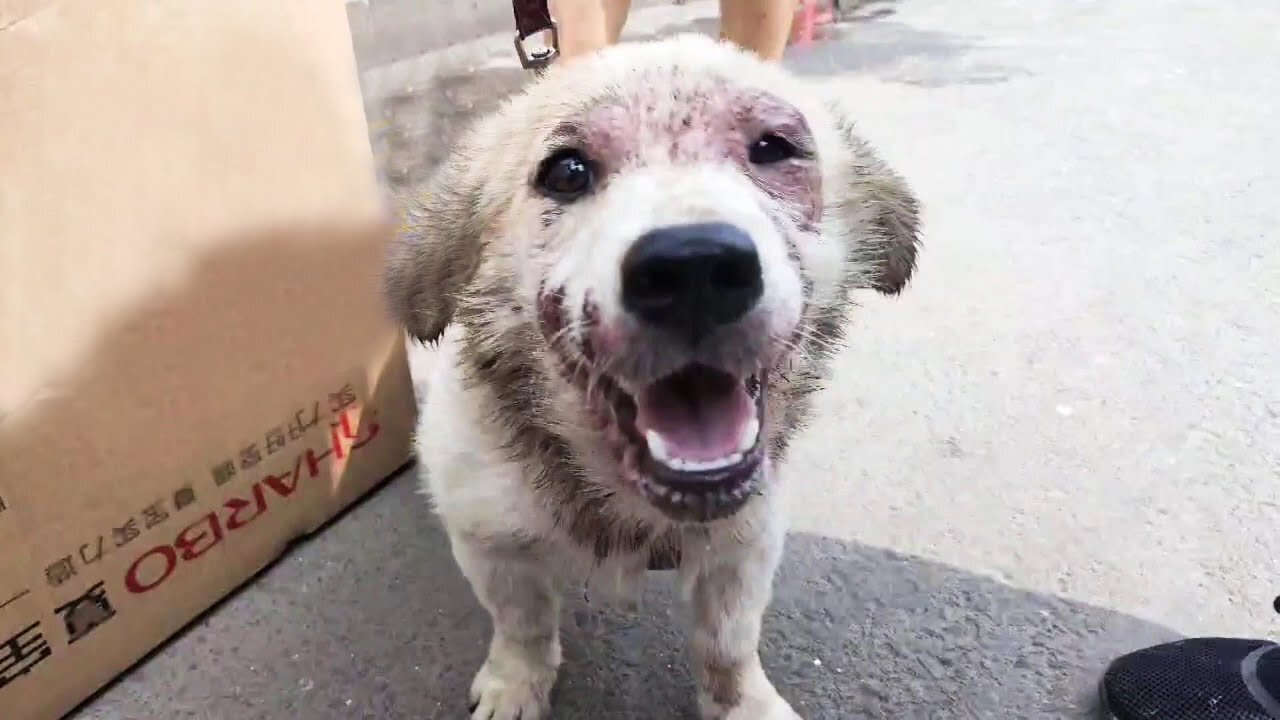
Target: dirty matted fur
point(565, 434)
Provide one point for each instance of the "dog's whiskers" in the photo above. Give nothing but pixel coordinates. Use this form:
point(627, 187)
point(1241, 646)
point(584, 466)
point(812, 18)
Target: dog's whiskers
point(560, 335)
point(822, 342)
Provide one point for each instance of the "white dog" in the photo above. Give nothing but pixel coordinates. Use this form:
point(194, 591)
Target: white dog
point(647, 257)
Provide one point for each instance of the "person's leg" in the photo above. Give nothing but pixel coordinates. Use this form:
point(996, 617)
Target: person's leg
point(588, 25)
point(616, 12)
point(762, 26)
point(582, 26)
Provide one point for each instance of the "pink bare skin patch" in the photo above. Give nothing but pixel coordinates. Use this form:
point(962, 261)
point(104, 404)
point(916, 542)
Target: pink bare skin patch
point(600, 338)
point(713, 123)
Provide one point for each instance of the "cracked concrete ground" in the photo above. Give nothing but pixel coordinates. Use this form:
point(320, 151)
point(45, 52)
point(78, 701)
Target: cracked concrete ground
point(1061, 444)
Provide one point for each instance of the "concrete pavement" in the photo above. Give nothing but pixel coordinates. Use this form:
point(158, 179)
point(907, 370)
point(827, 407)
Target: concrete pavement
point(1062, 443)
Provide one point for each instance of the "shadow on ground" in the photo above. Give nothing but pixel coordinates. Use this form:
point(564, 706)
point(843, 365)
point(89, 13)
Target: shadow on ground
point(382, 625)
point(898, 53)
point(412, 130)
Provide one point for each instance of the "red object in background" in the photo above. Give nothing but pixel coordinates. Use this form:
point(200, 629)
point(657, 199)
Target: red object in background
point(811, 16)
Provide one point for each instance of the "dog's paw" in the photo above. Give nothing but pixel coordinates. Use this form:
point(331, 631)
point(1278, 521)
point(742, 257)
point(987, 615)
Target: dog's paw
point(511, 691)
point(778, 710)
point(765, 706)
point(773, 709)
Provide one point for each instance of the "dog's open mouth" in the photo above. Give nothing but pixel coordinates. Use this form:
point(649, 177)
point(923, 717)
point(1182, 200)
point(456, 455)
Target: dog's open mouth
point(690, 442)
point(699, 450)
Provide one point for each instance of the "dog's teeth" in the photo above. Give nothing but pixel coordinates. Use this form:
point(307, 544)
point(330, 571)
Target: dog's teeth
point(676, 496)
point(659, 452)
point(749, 435)
point(657, 448)
point(726, 461)
point(702, 465)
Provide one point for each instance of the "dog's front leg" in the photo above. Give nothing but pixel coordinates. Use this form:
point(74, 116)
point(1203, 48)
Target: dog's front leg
point(729, 594)
point(515, 681)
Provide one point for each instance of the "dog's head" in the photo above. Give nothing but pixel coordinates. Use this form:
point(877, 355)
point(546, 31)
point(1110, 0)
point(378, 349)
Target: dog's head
point(660, 233)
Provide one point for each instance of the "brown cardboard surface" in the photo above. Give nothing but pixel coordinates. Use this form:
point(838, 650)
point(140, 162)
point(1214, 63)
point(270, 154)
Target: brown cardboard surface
point(195, 366)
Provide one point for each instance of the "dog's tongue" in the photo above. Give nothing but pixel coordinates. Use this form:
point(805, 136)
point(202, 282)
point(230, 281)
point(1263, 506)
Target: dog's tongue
point(701, 413)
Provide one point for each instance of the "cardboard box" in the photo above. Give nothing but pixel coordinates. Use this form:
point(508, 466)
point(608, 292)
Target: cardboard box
point(195, 363)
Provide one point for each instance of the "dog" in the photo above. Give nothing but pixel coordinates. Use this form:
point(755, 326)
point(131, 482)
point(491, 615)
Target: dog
point(635, 272)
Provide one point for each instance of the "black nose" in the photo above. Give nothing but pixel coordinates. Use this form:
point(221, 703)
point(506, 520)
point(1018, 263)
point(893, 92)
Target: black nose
point(691, 278)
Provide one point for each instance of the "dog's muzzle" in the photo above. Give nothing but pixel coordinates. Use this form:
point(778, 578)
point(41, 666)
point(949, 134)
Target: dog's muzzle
point(690, 435)
point(699, 427)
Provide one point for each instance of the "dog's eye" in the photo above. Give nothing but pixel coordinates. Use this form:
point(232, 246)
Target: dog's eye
point(565, 175)
point(772, 148)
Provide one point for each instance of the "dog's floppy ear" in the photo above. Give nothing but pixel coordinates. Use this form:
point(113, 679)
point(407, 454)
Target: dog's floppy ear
point(437, 251)
point(873, 196)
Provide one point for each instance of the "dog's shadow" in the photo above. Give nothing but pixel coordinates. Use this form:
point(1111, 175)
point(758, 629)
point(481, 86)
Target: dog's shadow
point(372, 619)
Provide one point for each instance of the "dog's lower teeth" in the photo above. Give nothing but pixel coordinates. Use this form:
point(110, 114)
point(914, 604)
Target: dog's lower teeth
point(700, 465)
point(658, 451)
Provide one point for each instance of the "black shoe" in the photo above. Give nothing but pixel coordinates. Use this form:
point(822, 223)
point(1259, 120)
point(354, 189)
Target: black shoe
point(1197, 679)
